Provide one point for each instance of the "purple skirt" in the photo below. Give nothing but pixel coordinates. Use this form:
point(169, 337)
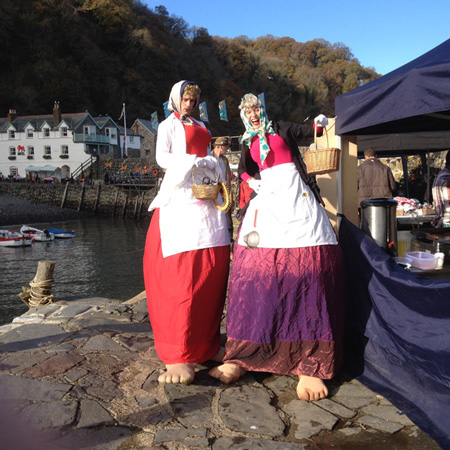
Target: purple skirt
point(286, 310)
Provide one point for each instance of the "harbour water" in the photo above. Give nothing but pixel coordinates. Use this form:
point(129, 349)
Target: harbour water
point(103, 260)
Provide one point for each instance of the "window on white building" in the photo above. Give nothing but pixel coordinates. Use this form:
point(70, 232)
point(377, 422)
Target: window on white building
point(63, 131)
point(131, 139)
point(12, 134)
point(64, 149)
point(12, 151)
point(30, 150)
point(46, 132)
point(107, 132)
point(47, 150)
point(30, 133)
point(13, 171)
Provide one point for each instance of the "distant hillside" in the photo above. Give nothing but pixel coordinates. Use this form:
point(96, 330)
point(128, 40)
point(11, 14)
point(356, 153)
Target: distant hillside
point(97, 54)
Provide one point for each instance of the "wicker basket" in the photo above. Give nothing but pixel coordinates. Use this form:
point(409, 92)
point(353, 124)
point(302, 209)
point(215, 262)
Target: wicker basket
point(205, 191)
point(324, 160)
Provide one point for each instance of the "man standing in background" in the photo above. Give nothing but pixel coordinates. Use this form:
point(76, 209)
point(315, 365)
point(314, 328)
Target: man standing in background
point(221, 146)
point(375, 179)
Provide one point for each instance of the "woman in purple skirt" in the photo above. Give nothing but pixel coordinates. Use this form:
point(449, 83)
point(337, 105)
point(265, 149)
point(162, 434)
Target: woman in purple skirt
point(286, 296)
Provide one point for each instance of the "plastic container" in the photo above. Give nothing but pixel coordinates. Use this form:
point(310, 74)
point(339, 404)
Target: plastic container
point(403, 261)
point(422, 260)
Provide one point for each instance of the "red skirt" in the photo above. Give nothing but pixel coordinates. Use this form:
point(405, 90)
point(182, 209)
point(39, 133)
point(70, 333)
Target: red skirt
point(185, 297)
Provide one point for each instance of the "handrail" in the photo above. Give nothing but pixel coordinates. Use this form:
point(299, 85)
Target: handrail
point(82, 167)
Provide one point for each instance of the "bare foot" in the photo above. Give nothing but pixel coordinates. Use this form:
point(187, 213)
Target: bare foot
point(178, 373)
point(311, 388)
point(227, 373)
point(218, 357)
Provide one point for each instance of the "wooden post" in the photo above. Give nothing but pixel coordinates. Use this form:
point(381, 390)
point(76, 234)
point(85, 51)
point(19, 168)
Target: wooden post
point(135, 207)
point(97, 198)
point(63, 201)
point(115, 202)
point(41, 286)
point(125, 203)
point(80, 204)
point(140, 207)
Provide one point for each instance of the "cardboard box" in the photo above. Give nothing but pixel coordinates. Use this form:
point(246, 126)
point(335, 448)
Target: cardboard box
point(400, 212)
point(429, 211)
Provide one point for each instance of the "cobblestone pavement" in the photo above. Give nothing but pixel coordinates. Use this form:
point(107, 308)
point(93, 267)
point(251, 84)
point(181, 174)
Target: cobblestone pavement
point(82, 374)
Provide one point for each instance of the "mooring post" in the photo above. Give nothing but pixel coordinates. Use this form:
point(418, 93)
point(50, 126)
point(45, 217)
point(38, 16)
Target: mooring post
point(115, 202)
point(41, 285)
point(63, 200)
point(81, 197)
point(97, 197)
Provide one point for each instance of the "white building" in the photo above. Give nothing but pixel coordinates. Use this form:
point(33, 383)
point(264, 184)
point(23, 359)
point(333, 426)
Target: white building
point(55, 145)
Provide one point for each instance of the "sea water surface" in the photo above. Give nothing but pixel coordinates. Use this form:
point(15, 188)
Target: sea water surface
point(103, 260)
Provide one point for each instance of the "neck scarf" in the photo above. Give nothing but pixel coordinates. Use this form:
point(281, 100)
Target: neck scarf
point(265, 127)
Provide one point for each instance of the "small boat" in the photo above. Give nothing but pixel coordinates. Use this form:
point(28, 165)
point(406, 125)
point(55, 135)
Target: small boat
point(62, 234)
point(36, 234)
point(14, 239)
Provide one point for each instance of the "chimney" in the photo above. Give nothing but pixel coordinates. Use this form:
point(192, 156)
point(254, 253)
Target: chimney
point(11, 115)
point(56, 114)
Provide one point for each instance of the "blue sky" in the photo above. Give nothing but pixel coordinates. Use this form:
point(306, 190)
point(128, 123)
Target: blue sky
point(383, 34)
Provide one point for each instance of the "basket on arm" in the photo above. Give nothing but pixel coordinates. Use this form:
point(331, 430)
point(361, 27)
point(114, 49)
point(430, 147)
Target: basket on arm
point(323, 160)
point(210, 191)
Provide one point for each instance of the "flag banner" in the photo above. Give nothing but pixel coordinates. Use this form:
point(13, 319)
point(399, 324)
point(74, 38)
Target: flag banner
point(203, 111)
point(166, 110)
point(155, 120)
point(223, 110)
point(263, 100)
point(122, 112)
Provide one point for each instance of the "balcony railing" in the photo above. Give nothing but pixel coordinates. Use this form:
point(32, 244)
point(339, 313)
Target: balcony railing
point(91, 138)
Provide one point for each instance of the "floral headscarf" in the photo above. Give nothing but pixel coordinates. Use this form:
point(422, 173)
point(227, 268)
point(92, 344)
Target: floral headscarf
point(265, 127)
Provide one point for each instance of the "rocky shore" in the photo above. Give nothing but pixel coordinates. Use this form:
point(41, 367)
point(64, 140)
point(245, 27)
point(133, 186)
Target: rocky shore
point(82, 374)
point(19, 211)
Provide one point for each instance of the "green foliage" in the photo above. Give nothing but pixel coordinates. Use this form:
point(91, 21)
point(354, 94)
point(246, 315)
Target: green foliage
point(97, 54)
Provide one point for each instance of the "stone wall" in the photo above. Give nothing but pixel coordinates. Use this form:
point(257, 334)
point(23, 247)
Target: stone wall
point(114, 201)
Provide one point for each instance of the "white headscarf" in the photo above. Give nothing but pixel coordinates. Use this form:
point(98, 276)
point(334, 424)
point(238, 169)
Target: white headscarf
point(176, 94)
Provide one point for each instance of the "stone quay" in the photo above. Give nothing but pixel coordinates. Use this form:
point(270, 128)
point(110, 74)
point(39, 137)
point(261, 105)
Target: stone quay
point(82, 373)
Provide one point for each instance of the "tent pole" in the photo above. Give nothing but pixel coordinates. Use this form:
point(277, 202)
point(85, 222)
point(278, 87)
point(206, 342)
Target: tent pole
point(405, 174)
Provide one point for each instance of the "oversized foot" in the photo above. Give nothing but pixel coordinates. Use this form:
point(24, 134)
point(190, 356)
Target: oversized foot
point(178, 373)
point(218, 357)
point(311, 388)
point(227, 373)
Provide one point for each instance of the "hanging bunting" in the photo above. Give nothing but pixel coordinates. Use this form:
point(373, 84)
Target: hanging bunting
point(263, 100)
point(167, 113)
point(155, 123)
point(203, 111)
point(223, 110)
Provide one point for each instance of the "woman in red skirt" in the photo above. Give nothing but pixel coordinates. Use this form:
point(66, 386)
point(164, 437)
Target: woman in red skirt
point(187, 251)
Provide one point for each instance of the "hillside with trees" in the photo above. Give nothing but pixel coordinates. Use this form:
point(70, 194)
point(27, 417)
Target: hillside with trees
point(97, 54)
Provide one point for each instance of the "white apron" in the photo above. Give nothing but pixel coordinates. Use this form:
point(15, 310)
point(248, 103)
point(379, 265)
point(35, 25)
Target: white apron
point(287, 213)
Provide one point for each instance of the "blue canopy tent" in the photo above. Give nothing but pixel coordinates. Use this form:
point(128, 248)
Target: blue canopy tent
point(398, 329)
point(413, 98)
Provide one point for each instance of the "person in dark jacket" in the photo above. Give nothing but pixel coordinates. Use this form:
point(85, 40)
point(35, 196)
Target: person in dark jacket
point(286, 295)
point(375, 179)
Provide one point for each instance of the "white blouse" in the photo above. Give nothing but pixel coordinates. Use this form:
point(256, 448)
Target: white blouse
point(185, 222)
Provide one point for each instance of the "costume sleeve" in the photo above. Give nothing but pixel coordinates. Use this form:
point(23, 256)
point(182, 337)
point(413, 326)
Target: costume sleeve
point(247, 167)
point(171, 155)
point(301, 130)
point(168, 156)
